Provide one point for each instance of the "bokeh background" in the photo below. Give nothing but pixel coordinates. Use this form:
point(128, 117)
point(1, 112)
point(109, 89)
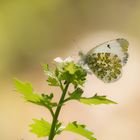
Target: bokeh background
point(36, 31)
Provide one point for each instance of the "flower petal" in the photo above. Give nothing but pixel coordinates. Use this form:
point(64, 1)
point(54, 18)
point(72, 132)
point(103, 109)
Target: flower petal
point(69, 59)
point(58, 60)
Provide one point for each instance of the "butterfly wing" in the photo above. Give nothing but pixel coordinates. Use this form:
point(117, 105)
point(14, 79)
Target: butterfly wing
point(106, 60)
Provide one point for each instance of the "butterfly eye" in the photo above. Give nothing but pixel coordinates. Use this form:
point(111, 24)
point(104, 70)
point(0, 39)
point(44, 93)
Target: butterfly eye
point(106, 66)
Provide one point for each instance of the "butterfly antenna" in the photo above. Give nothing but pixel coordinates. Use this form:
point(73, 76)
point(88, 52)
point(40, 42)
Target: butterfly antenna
point(82, 59)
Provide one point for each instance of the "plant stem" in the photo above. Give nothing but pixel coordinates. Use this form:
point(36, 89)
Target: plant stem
point(51, 111)
point(54, 122)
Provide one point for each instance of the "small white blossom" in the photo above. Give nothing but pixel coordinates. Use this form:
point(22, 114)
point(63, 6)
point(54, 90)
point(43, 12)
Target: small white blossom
point(69, 59)
point(60, 60)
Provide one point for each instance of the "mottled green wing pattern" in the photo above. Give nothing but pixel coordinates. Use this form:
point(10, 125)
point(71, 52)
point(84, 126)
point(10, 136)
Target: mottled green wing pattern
point(106, 60)
point(105, 66)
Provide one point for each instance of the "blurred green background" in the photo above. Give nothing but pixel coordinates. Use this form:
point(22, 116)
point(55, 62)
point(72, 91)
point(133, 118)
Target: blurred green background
point(36, 31)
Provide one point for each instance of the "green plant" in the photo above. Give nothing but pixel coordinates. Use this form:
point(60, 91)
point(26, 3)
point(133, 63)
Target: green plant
point(106, 65)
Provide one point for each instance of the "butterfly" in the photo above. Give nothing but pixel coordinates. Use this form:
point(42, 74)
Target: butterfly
point(107, 59)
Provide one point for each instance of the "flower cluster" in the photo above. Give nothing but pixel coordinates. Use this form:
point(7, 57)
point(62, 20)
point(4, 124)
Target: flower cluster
point(70, 71)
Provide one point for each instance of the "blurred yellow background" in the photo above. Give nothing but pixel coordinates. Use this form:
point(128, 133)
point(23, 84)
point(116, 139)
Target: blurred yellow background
point(36, 31)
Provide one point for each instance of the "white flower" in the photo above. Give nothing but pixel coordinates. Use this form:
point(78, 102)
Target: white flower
point(60, 60)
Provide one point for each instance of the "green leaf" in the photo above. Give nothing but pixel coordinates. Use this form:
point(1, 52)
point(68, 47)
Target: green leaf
point(76, 94)
point(27, 91)
point(96, 99)
point(40, 127)
point(47, 101)
point(80, 129)
point(52, 78)
point(52, 81)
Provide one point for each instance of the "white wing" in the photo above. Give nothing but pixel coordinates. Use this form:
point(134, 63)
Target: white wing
point(118, 46)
